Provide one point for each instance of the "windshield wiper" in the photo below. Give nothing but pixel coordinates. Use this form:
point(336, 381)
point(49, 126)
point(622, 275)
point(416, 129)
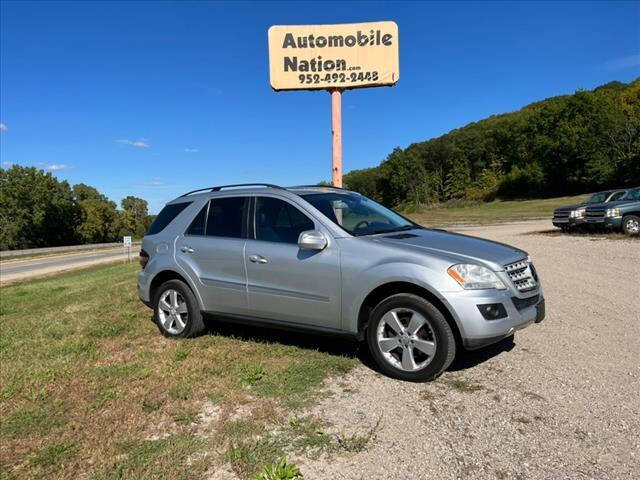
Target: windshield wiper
point(388, 230)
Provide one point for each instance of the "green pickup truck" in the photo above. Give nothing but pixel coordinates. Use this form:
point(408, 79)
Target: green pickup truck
point(621, 214)
point(571, 217)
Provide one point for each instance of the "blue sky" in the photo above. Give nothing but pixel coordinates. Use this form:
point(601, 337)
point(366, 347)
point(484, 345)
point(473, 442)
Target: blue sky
point(157, 98)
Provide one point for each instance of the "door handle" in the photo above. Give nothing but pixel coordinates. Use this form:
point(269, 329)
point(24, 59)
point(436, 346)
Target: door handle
point(186, 249)
point(257, 258)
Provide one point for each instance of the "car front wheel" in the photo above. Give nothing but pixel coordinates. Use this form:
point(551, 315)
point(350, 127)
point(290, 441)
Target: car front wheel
point(176, 311)
point(631, 224)
point(410, 339)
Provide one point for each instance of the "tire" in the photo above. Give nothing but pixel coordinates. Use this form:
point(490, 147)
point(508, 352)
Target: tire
point(631, 224)
point(427, 351)
point(177, 316)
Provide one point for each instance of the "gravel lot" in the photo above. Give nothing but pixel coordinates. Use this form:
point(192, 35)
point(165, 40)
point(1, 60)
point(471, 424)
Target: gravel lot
point(561, 401)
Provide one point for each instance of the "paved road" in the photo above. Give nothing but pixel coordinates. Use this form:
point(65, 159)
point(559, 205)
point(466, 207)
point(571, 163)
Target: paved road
point(11, 270)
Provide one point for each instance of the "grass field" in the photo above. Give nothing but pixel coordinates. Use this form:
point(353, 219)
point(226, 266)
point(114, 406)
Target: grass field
point(492, 212)
point(90, 389)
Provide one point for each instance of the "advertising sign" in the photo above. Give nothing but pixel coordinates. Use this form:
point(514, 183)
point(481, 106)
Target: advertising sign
point(309, 57)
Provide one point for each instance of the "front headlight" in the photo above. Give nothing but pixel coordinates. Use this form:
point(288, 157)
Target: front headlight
point(613, 212)
point(475, 277)
point(577, 213)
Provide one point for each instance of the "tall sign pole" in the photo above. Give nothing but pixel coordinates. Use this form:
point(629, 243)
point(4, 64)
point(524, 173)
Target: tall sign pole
point(334, 58)
point(336, 136)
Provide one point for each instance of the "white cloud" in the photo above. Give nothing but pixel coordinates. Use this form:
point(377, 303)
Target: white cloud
point(154, 183)
point(191, 150)
point(3, 127)
point(57, 166)
point(629, 61)
point(7, 164)
point(141, 143)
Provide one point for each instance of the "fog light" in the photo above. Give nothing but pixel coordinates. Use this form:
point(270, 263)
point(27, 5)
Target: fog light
point(492, 311)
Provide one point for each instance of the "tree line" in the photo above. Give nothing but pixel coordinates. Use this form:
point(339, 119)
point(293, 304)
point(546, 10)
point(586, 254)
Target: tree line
point(559, 146)
point(37, 210)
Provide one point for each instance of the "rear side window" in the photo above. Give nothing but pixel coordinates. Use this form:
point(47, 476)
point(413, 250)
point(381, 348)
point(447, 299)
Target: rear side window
point(198, 224)
point(226, 217)
point(166, 216)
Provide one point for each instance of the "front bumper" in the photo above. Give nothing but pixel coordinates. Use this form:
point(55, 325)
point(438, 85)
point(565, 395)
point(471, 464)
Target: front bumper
point(613, 223)
point(567, 222)
point(477, 332)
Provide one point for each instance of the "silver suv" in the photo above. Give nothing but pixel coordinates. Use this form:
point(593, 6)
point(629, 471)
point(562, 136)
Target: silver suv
point(334, 262)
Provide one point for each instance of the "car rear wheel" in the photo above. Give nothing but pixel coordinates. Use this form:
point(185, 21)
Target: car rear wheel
point(176, 310)
point(631, 224)
point(410, 339)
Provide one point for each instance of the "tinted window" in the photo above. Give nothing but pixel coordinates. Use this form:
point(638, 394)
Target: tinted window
point(616, 196)
point(166, 216)
point(632, 195)
point(597, 198)
point(279, 221)
point(225, 217)
point(357, 214)
point(197, 226)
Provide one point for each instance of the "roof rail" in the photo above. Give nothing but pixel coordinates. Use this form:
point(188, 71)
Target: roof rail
point(318, 186)
point(220, 187)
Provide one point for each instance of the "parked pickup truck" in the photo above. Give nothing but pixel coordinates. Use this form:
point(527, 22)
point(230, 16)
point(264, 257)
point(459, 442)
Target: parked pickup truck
point(572, 216)
point(622, 214)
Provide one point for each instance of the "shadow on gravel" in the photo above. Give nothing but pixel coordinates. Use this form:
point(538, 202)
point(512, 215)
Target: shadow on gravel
point(469, 359)
point(343, 347)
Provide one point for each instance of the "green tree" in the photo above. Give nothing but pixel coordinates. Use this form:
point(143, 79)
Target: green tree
point(36, 210)
point(138, 209)
point(99, 221)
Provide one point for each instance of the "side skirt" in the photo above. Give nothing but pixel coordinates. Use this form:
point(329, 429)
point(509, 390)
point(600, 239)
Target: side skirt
point(278, 325)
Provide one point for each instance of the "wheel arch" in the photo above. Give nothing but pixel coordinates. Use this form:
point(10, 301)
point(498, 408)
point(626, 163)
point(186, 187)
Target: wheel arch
point(392, 288)
point(166, 275)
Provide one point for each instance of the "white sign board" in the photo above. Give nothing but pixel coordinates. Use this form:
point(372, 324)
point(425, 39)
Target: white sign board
point(309, 57)
point(127, 241)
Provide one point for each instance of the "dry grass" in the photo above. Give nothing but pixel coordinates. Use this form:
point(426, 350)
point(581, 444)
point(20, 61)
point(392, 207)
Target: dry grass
point(89, 388)
point(491, 212)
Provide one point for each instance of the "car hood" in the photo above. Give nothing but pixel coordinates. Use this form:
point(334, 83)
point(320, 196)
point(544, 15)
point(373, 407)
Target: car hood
point(570, 207)
point(463, 247)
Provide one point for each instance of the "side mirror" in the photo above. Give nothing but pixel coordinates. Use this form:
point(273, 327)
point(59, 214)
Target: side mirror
point(312, 240)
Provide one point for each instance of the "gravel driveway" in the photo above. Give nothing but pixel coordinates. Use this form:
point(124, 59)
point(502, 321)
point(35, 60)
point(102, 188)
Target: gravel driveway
point(561, 401)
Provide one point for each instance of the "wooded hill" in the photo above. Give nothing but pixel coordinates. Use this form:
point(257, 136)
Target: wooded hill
point(559, 146)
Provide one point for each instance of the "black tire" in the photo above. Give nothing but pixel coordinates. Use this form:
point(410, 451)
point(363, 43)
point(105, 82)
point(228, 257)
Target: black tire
point(437, 328)
point(631, 224)
point(193, 322)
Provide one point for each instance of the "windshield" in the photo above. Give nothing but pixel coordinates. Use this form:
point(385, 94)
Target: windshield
point(358, 215)
point(598, 197)
point(632, 195)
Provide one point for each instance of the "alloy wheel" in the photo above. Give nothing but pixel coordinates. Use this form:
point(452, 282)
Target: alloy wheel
point(173, 311)
point(633, 226)
point(406, 339)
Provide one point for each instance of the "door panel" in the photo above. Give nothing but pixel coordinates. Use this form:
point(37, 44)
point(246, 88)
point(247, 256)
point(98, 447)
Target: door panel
point(218, 265)
point(212, 251)
point(294, 285)
point(284, 282)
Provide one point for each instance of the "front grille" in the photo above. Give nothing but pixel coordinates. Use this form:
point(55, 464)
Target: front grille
point(561, 214)
point(521, 303)
point(522, 275)
point(594, 213)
